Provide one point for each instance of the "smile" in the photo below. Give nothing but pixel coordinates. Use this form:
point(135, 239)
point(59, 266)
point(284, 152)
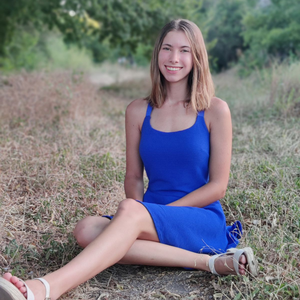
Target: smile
point(173, 68)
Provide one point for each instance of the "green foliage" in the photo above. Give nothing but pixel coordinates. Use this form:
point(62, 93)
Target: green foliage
point(21, 52)
point(272, 32)
point(235, 30)
point(66, 56)
point(53, 13)
point(225, 28)
point(119, 23)
point(100, 51)
point(31, 49)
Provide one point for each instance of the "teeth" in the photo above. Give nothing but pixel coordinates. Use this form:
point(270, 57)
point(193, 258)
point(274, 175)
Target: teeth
point(173, 69)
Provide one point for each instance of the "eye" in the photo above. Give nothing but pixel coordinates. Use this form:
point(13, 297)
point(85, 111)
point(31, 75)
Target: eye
point(185, 50)
point(166, 48)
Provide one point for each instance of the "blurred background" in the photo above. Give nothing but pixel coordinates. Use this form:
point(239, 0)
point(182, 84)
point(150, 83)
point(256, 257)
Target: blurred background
point(83, 33)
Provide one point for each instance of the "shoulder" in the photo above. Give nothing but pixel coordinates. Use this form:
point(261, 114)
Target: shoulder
point(218, 107)
point(136, 111)
point(218, 112)
point(137, 104)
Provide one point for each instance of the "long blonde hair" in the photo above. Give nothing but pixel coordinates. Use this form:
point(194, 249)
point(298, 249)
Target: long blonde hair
point(200, 84)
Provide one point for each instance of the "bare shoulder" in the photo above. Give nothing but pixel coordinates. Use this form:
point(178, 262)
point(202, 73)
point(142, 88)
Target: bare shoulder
point(136, 111)
point(137, 104)
point(218, 107)
point(217, 112)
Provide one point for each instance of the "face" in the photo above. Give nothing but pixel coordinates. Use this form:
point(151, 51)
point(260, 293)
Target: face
point(175, 57)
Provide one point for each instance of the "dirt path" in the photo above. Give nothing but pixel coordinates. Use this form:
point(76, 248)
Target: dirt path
point(108, 74)
point(139, 282)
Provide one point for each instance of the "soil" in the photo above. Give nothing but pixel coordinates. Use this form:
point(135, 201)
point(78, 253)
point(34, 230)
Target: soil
point(141, 282)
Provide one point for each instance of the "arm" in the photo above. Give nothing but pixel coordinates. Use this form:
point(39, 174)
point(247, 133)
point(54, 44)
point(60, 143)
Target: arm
point(218, 119)
point(134, 184)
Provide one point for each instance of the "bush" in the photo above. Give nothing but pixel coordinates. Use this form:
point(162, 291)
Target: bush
point(30, 49)
point(272, 32)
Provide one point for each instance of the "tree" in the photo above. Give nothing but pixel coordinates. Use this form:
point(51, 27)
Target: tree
point(16, 13)
point(272, 31)
point(225, 28)
point(121, 22)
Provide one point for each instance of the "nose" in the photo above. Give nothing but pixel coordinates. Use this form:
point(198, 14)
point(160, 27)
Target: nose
point(174, 57)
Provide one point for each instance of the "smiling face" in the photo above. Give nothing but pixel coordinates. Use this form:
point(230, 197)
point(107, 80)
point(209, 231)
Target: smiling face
point(175, 57)
point(190, 66)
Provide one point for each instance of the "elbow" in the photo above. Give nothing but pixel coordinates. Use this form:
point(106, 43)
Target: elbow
point(222, 193)
point(220, 190)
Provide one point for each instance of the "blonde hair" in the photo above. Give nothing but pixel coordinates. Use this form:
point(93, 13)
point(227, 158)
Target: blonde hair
point(200, 84)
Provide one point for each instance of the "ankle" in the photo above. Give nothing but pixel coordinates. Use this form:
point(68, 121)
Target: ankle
point(202, 262)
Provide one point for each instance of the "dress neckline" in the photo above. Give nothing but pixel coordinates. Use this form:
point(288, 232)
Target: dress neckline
point(148, 114)
point(177, 131)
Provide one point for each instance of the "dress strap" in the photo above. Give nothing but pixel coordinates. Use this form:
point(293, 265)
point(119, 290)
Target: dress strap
point(201, 113)
point(149, 110)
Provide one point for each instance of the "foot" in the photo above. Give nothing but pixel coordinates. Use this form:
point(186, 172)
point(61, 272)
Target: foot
point(224, 265)
point(234, 261)
point(35, 286)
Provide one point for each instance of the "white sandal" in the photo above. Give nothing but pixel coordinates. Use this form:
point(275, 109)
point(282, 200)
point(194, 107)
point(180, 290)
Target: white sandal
point(251, 261)
point(9, 292)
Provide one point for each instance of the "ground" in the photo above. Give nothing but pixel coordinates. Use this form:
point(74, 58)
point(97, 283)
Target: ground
point(62, 157)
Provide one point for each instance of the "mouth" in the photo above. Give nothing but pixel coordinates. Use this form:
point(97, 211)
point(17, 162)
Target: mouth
point(173, 68)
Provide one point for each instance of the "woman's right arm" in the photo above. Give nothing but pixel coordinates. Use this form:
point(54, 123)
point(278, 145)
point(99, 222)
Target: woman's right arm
point(134, 184)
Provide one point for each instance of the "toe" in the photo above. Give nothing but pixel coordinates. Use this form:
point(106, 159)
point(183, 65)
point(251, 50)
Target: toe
point(243, 260)
point(23, 289)
point(242, 270)
point(7, 276)
point(242, 264)
point(19, 284)
point(14, 280)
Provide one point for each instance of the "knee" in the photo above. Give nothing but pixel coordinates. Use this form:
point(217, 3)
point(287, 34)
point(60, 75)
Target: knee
point(81, 231)
point(130, 208)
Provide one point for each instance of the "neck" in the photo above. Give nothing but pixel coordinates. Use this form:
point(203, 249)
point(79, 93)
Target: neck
point(176, 92)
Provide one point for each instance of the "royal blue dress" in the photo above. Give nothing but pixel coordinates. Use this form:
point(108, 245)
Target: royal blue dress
point(176, 164)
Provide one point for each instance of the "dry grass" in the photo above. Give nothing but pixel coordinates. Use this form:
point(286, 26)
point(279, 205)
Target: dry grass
point(62, 158)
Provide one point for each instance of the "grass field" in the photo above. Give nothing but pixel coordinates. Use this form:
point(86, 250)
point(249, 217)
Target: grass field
point(62, 157)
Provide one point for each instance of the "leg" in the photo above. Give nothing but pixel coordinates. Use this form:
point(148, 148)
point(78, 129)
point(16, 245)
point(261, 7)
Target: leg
point(118, 242)
point(132, 221)
point(144, 252)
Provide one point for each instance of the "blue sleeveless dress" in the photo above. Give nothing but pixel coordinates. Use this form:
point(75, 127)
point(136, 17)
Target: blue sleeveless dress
point(176, 164)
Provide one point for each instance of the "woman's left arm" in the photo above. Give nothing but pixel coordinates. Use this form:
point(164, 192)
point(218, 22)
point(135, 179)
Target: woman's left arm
point(218, 120)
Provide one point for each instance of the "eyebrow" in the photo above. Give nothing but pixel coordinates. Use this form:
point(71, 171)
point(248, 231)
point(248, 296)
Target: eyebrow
point(172, 46)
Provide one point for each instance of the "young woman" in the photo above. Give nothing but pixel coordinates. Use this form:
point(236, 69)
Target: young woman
point(181, 135)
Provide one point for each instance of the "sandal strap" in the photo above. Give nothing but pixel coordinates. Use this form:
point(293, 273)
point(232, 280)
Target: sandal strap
point(237, 253)
point(236, 259)
point(47, 287)
point(211, 264)
point(236, 256)
point(30, 295)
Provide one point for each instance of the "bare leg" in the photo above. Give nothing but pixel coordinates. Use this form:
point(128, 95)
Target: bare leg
point(132, 221)
point(142, 252)
point(151, 253)
point(118, 241)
